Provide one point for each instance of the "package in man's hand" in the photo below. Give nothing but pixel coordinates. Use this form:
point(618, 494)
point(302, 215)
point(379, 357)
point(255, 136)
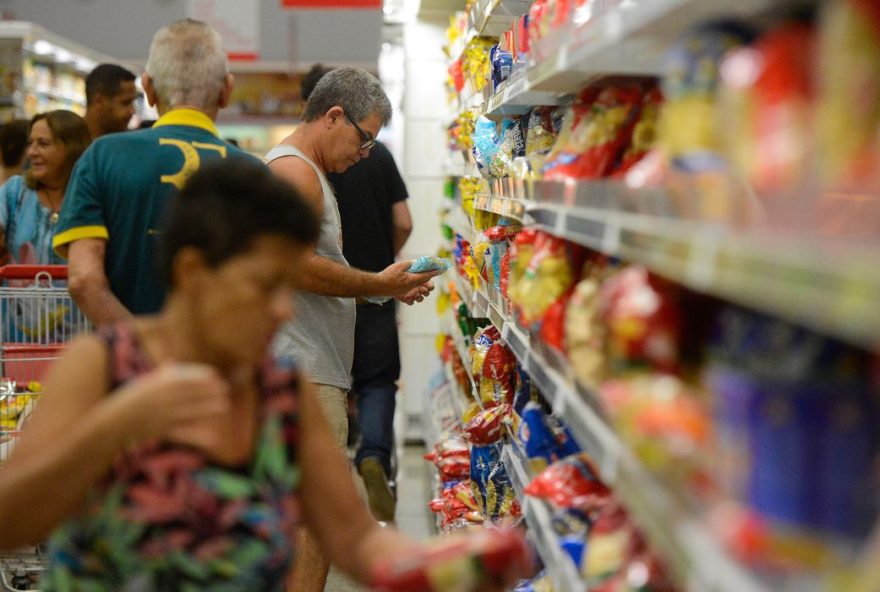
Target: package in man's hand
point(423, 264)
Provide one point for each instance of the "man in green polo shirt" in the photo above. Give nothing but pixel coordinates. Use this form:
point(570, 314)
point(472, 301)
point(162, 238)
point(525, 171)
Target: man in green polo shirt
point(120, 186)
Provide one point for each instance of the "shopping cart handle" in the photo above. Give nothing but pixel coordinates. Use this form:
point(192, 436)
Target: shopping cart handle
point(24, 272)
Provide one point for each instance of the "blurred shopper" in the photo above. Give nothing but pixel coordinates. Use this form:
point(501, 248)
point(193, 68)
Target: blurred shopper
point(29, 203)
point(342, 117)
point(171, 452)
point(376, 223)
point(13, 144)
point(110, 97)
point(119, 188)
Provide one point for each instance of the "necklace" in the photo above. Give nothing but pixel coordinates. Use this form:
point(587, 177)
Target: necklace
point(53, 217)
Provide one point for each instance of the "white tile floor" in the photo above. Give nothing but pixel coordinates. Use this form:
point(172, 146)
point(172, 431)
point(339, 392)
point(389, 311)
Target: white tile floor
point(413, 516)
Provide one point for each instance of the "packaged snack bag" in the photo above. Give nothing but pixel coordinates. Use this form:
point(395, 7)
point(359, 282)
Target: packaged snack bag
point(599, 131)
point(643, 320)
point(491, 485)
point(571, 483)
point(644, 133)
point(460, 564)
point(848, 107)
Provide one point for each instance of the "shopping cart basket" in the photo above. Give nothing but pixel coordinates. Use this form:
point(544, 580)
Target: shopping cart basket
point(38, 319)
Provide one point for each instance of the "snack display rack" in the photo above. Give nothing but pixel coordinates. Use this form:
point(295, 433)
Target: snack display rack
point(744, 254)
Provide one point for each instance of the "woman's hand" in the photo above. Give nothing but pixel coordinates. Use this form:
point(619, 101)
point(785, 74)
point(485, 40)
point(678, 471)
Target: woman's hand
point(174, 402)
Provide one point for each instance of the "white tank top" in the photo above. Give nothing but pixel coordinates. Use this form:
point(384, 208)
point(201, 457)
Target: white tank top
point(321, 334)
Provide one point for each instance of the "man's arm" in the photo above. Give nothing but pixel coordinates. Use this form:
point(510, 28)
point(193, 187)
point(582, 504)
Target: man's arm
point(326, 277)
point(88, 284)
point(401, 221)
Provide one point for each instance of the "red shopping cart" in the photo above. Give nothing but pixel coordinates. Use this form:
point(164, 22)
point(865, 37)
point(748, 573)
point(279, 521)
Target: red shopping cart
point(37, 318)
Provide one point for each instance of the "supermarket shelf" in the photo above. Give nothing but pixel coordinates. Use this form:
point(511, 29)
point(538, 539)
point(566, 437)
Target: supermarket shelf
point(560, 567)
point(629, 37)
point(494, 17)
point(509, 207)
point(692, 552)
point(828, 285)
point(516, 96)
point(461, 224)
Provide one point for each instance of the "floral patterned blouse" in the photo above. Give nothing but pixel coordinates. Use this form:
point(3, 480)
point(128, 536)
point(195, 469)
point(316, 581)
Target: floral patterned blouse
point(167, 518)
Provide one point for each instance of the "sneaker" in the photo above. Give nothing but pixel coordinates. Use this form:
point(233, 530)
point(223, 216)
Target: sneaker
point(379, 494)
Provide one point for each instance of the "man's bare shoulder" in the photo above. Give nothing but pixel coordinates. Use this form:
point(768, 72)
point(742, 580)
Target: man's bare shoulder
point(300, 175)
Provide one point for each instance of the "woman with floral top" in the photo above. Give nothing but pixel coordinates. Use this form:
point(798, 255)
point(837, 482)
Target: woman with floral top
point(170, 452)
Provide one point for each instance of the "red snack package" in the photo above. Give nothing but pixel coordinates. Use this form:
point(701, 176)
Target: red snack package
point(505, 273)
point(487, 426)
point(644, 133)
point(571, 483)
point(553, 324)
point(478, 561)
point(643, 320)
point(502, 232)
point(452, 458)
point(598, 132)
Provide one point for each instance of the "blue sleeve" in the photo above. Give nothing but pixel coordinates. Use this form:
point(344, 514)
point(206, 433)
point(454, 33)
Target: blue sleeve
point(82, 214)
point(8, 193)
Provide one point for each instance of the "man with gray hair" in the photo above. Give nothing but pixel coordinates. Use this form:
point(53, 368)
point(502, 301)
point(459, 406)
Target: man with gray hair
point(120, 186)
point(343, 114)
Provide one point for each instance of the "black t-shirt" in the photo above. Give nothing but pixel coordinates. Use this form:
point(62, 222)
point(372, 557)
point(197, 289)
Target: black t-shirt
point(366, 193)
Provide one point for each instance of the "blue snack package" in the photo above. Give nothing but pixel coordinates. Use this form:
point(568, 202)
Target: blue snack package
point(490, 483)
point(502, 65)
point(426, 263)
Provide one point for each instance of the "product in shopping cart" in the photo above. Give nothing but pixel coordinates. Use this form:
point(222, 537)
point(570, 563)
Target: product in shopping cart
point(571, 483)
point(483, 559)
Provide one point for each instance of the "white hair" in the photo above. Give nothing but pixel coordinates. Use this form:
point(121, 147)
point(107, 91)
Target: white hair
point(188, 64)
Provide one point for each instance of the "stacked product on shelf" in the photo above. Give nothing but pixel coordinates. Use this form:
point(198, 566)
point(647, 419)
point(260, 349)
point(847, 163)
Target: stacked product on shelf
point(743, 445)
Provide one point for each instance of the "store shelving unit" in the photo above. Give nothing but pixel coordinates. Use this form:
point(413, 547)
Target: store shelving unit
point(828, 285)
point(42, 70)
point(494, 17)
point(536, 513)
point(742, 257)
point(626, 37)
point(537, 516)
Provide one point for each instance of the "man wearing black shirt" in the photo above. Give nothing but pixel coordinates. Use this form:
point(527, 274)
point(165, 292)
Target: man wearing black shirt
point(375, 224)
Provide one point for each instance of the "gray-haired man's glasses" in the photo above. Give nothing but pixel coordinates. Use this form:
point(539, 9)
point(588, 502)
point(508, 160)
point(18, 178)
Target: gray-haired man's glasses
point(367, 141)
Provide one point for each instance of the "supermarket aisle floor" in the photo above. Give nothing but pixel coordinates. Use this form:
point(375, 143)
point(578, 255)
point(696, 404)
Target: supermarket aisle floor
point(413, 516)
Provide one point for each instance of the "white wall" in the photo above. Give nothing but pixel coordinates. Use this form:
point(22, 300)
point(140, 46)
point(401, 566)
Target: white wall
point(426, 116)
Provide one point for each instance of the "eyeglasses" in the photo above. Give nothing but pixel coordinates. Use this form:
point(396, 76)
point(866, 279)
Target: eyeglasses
point(367, 141)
